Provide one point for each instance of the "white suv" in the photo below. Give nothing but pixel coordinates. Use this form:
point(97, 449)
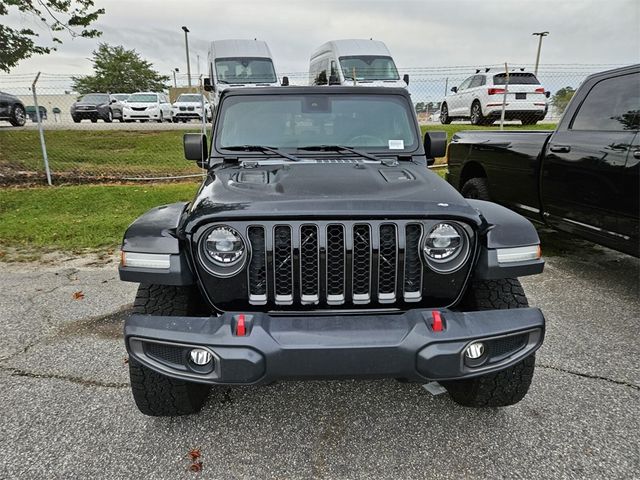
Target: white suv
point(479, 99)
point(145, 106)
point(189, 106)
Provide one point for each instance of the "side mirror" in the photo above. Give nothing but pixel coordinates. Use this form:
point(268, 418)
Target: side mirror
point(334, 80)
point(454, 89)
point(113, 100)
point(406, 78)
point(435, 146)
point(207, 85)
point(195, 148)
point(285, 81)
point(547, 94)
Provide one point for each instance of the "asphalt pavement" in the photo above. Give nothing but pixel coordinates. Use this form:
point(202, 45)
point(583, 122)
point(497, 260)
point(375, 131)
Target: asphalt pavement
point(67, 411)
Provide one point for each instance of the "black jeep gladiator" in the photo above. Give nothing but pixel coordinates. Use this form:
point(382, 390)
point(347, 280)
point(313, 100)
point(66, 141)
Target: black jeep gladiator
point(321, 246)
point(583, 178)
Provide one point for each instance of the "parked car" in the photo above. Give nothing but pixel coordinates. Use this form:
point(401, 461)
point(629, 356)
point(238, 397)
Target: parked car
point(582, 178)
point(189, 106)
point(479, 98)
point(320, 245)
point(336, 62)
point(31, 113)
point(121, 97)
point(145, 106)
point(96, 106)
point(12, 110)
point(240, 63)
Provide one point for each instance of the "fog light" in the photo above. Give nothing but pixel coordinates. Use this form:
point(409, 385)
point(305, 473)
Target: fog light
point(474, 351)
point(200, 356)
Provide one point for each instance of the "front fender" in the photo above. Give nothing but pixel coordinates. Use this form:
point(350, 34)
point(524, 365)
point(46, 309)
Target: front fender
point(154, 235)
point(504, 230)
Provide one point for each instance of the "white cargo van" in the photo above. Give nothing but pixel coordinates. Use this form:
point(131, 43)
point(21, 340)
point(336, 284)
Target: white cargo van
point(240, 63)
point(354, 62)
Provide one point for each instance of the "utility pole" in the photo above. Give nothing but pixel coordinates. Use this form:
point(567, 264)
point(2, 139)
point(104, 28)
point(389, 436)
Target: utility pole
point(175, 84)
point(540, 35)
point(186, 46)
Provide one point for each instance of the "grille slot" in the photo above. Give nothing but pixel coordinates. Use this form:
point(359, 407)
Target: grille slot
point(283, 264)
point(361, 264)
point(412, 264)
point(503, 347)
point(166, 353)
point(309, 265)
point(257, 267)
point(335, 265)
point(387, 264)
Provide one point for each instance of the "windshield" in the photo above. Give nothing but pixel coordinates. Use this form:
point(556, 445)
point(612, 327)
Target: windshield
point(121, 96)
point(95, 98)
point(186, 97)
point(516, 79)
point(143, 98)
point(245, 70)
point(373, 122)
point(369, 67)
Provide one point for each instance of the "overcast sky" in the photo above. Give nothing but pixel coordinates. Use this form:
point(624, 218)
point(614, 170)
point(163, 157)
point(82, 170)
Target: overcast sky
point(418, 33)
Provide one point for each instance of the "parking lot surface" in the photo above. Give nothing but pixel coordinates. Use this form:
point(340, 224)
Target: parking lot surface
point(67, 411)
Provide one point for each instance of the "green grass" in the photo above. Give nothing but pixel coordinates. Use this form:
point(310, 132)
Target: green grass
point(455, 127)
point(97, 152)
point(76, 218)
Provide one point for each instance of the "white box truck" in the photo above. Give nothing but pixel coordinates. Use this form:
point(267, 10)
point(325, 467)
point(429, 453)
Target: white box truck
point(354, 62)
point(240, 63)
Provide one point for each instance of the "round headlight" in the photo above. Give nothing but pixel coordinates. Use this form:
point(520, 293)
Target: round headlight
point(443, 243)
point(224, 247)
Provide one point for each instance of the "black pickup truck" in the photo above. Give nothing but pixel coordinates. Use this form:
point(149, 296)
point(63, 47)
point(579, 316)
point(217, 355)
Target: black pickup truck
point(582, 178)
point(320, 245)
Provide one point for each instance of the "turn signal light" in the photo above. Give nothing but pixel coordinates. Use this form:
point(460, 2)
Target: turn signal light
point(496, 91)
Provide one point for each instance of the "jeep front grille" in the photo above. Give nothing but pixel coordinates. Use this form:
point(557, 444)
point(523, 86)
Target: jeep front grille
point(333, 264)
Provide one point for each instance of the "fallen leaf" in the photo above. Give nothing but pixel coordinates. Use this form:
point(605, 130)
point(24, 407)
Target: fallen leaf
point(194, 454)
point(79, 295)
point(126, 360)
point(195, 467)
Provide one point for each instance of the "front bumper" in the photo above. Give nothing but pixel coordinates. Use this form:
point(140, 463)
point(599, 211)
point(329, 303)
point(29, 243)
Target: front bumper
point(403, 345)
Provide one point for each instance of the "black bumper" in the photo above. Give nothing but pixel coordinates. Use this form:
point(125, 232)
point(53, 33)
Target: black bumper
point(392, 345)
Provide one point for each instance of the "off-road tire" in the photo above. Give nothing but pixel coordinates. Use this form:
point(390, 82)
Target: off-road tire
point(506, 387)
point(156, 394)
point(476, 188)
point(18, 116)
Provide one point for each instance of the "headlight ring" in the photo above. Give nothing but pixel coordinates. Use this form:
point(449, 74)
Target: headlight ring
point(445, 248)
point(223, 251)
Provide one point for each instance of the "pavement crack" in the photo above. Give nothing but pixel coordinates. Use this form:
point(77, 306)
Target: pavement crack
point(592, 377)
point(15, 372)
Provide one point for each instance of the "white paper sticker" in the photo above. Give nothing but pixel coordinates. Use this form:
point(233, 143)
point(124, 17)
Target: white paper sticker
point(396, 144)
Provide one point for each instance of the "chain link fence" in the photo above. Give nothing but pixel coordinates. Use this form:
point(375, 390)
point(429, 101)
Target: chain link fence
point(102, 147)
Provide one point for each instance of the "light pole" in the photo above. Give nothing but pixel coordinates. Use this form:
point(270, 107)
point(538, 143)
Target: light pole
point(540, 35)
point(186, 46)
point(175, 70)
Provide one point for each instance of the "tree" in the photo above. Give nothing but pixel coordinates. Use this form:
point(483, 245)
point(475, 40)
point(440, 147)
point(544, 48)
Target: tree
point(119, 70)
point(561, 98)
point(71, 16)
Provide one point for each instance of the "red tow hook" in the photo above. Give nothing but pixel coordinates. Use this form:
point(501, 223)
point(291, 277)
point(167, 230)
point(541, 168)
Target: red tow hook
point(241, 328)
point(437, 325)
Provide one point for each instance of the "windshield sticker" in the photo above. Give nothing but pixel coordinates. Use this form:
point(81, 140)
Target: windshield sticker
point(396, 144)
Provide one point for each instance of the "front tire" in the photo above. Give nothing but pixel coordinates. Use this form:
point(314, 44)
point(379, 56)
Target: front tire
point(445, 119)
point(18, 116)
point(156, 394)
point(109, 117)
point(161, 118)
point(506, 387)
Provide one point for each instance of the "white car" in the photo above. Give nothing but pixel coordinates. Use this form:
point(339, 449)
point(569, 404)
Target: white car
point(479, 98)
point(189, 106)
point(146, 106)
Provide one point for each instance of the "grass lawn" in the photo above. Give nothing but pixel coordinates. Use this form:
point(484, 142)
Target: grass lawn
point(121, 153)
point(77, 218)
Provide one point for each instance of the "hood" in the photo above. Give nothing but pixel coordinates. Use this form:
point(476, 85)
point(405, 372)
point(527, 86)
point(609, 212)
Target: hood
point(89, 104)
point(323, 189)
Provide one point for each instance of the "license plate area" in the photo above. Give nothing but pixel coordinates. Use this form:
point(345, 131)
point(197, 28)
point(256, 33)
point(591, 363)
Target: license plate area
point(521, 96)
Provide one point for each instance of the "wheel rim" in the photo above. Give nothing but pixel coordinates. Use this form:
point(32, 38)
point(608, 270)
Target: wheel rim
point(110, 115)
point(444, 113)
point(18, 113)
point(475, 114)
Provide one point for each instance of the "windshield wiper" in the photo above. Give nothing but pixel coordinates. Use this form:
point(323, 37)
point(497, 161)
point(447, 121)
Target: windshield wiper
point(262, 148)
point(340, 148)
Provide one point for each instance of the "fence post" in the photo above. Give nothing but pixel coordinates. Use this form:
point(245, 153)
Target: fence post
point(42, 143)
point(504, 96)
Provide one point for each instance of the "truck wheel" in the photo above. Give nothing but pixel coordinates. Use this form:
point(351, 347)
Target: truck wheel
point(508, 386)
point(476, 188)
point(156, 394)
point(476, 114)
point(445, 119)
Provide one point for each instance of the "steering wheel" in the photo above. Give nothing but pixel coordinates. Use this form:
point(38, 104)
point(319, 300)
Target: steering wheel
point(365, 141)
